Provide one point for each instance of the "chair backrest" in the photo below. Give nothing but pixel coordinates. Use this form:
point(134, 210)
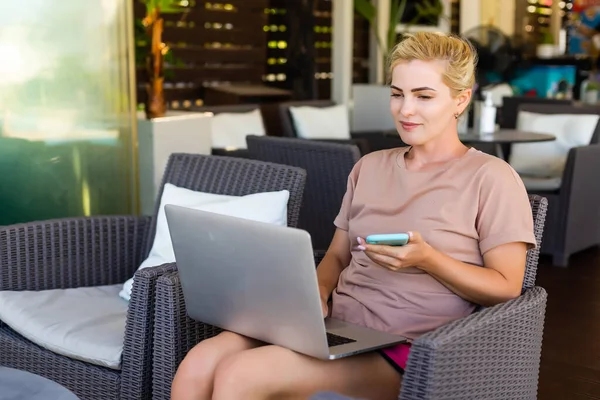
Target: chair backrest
point(231, 176)
point(507, 114)
point(539, 207)
point(231, 133)
point(327, 165)
point(562, 109)
point(285, 117)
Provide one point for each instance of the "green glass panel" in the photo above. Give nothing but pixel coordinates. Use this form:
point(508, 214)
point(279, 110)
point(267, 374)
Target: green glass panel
point(66, 109)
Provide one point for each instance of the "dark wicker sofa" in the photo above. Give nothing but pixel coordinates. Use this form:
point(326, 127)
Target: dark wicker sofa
point(78, 252)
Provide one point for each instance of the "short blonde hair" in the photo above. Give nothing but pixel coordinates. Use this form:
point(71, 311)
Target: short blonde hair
point(460, 55)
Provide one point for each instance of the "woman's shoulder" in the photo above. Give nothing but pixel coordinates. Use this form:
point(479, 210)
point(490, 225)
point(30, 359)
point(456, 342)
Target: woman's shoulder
point(379, 157)
point(487, 163)
point(489, 168)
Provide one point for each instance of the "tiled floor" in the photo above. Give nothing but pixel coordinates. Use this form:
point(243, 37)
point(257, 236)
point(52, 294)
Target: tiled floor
point(570, 368)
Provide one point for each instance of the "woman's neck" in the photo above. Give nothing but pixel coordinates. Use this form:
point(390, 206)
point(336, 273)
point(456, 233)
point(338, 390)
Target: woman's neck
point(434, 153)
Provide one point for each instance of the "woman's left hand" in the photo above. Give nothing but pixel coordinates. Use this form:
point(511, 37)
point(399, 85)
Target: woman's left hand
point(412, 254)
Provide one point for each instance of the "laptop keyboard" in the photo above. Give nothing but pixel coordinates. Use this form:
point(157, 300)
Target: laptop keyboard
point(336, 340)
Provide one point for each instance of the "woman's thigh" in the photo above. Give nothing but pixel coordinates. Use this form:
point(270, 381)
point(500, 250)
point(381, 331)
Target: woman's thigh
point(276, 372)
point(214, 350)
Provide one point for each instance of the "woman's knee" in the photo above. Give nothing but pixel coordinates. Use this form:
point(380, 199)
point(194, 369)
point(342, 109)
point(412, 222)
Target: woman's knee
point(199, 365)
point(241, 376)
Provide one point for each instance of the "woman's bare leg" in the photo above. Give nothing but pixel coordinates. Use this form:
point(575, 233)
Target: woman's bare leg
point(195, 375)
point(272, 372)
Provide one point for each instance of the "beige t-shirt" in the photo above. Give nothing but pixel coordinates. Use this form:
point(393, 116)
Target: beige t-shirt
point(463, 208)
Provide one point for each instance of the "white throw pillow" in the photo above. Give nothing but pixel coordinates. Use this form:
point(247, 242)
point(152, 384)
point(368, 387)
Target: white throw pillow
point(547, 159)
point(229, 130)
point(269, 207)
point(321, 122)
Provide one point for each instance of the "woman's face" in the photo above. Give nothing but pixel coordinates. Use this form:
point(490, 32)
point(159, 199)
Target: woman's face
point(421, 104)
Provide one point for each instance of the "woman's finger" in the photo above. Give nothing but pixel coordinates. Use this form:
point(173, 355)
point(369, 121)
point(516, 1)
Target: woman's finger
point(383, 260)
point(380, 249)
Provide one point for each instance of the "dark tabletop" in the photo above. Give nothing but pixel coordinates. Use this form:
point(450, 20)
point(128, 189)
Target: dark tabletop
point(21, 385)
point(507, 136)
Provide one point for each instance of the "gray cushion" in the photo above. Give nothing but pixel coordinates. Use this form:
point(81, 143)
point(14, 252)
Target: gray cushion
point(86, 324)
point(534, 184)
point(22, 385)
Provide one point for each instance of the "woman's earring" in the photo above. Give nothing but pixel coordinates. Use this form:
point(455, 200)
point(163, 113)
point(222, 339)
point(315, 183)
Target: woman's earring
point(456, 115)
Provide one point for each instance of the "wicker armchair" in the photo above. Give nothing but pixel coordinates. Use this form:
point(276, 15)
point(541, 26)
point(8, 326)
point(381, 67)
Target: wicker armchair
point(573, 222)
point(77, 252)
point(288, 128)
point(491, 354)
point(367, 141)
point(327, 165)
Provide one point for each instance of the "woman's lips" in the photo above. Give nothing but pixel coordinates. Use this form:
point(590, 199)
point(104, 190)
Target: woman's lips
point(409, 126)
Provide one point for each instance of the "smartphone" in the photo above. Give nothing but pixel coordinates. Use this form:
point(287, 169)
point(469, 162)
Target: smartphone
point(388, 239)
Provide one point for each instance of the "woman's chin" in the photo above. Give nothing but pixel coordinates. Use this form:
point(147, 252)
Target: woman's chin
point(411, 139)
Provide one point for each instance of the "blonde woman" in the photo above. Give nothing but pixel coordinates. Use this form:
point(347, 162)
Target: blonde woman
point(470, 226)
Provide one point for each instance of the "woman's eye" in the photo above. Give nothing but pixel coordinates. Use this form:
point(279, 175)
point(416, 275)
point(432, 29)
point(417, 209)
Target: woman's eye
point(425, 97)
point(396, 95)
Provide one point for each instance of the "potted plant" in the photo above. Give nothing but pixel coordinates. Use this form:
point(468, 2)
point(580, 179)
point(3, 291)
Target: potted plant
point(592, 88)
point(547, 47)
point(426, 9)
point(156, 50)
point(160, 133)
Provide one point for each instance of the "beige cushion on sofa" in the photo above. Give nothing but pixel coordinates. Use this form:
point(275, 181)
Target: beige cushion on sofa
point(229, 130)
point(321, 122)
point(86, 324)
point(547, 159)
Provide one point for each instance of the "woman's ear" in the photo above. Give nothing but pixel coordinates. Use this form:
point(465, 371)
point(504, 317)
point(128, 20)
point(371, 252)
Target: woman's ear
point(464, 98)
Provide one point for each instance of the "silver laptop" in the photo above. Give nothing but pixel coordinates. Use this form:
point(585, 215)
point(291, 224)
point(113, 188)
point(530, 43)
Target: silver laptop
point(260, 280)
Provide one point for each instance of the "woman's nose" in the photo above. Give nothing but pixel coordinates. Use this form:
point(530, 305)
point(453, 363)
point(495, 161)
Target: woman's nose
point(408, 108)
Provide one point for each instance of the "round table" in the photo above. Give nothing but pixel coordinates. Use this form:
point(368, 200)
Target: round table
point(504, 138)
point(22, 385)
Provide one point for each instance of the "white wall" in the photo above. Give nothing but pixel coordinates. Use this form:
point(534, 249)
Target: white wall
point(341, 54)
point(470, 14)
point(499, 13)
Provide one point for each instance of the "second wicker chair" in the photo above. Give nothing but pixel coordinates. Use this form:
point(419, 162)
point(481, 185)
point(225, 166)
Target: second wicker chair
point(327, 165)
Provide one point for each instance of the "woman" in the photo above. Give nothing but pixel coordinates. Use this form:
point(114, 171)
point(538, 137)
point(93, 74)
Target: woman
point(470, 225)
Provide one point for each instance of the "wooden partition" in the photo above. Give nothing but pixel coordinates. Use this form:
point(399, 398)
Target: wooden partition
point(216, 42)
point(280, 43)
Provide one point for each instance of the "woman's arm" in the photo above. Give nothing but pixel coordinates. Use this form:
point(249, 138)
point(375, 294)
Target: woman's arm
point(331, 266)
point(499, 280)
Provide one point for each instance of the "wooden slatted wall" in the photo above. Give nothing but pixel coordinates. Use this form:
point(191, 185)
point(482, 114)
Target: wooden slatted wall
point(323, 44)
point(215, 42)
point(278, 63)
point(245, 41)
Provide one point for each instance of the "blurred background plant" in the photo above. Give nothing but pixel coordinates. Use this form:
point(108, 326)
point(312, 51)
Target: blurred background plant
point(152, 53)
point(425, 10)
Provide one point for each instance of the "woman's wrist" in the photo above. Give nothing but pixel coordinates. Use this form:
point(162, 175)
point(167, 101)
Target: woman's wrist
point(431, 258)
point(324, 292)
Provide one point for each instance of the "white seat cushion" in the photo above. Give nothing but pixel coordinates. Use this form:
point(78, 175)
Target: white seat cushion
point(534, 184)
point(268, 207)
point(321, 122)
point(547, 159)
point(229, 130)
point(86, 323)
